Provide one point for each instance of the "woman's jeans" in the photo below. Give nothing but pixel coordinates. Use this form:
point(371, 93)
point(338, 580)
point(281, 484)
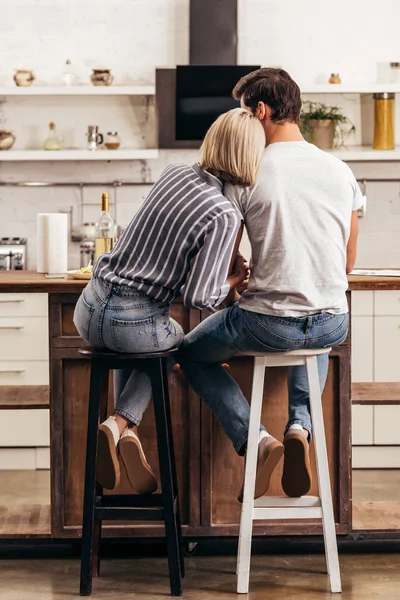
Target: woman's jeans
point(124, 320)
point(222, 335)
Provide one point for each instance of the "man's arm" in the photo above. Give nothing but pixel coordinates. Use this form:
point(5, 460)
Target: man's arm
point(233, 296)
point(352, 243)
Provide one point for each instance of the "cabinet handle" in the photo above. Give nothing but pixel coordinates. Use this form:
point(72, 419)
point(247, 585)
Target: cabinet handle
point(11, 327)
point(7, 301)
point(177, 368)
point(226, 366)
point(12, 370)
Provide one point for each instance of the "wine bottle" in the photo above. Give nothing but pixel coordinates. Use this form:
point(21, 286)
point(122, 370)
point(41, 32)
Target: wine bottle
point(105, 229)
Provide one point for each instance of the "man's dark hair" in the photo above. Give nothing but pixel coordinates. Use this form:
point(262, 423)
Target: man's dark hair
point(275, 88)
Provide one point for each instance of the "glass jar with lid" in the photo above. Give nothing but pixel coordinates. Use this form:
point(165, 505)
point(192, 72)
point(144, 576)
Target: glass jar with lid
point(112, 141)
point(395, 72)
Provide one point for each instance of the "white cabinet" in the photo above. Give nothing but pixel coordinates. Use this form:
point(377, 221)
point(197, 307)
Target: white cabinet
point(362, 304)
point(387, 303)
point(387, 425)
point(362, 425)
point(24, 360)
point(376, 359)
point(387, 348)
point(24, 428)
point(362, 343)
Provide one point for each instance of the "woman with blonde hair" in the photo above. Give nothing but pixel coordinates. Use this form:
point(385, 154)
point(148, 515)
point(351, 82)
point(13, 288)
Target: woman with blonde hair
point(181, 243)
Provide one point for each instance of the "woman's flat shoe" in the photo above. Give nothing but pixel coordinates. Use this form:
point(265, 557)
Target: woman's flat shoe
point(140, 474)
point(108, 472)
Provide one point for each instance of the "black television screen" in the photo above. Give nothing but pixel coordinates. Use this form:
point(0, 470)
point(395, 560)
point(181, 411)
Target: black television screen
point(202, 94)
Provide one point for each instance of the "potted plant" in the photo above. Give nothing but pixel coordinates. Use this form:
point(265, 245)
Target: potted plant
point(325, 126)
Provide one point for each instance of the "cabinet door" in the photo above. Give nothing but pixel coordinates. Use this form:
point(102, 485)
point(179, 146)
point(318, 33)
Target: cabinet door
point(386, 425)
point(362, 425)
point(387, 348)
point(222, 468)
point(387, 302)
point(362, 304)
point(362, 348)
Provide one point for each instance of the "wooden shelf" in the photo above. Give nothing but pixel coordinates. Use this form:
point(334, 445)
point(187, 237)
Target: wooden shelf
point(366, 153)
point(67, 155)
point(24, 396)
point(375, 393)
point(79, 90)
point(350, 88)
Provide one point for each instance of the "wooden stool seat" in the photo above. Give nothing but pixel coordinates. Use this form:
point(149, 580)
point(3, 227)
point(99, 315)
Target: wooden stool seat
point(149, 507)
point(269, 507)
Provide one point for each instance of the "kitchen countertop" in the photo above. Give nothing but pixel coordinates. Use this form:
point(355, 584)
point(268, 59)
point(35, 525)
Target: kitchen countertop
point(30, 281)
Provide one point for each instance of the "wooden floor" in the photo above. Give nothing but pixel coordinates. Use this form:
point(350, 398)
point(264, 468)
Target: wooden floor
point(364, 577)
point(24, 503)
point(376, 499)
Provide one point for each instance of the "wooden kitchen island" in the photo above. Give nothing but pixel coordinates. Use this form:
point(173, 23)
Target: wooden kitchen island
point(209, 471)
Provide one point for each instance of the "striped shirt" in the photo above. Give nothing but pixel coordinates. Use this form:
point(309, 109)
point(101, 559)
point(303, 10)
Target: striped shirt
point(180, 242)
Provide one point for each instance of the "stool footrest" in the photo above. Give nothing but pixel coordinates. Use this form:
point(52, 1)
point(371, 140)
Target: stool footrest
point(285, 502)
point(287, 513)
point(129, 501)
point(129, 513)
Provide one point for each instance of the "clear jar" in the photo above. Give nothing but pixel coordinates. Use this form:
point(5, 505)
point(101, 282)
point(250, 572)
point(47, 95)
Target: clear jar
point(395, 72)
point(112, 141)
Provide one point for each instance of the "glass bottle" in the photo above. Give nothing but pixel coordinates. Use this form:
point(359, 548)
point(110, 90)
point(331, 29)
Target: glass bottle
point(52, 142)
point(105, 229)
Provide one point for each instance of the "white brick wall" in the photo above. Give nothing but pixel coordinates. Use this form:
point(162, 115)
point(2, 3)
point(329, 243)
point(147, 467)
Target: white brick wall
point(310, 38)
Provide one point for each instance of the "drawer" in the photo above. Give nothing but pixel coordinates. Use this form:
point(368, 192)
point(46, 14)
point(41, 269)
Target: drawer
point(362, 425)
point(387, 303)
point(24, 373)
point(362, 346)
point(362, 303)
point(386, 425)
point(24, 338)
point(24, 305)
point(24, 428)
point(387, 349)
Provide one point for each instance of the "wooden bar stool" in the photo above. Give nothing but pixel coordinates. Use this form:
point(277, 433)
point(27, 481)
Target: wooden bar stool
point(151, 507)
point(306, 507)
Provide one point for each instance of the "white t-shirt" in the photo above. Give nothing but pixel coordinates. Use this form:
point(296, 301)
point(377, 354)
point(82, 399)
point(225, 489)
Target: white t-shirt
point(298, 219)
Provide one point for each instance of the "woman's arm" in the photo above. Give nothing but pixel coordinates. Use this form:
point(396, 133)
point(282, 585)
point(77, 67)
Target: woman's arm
point(208, 282)
point(233, 295)
point(352, 243)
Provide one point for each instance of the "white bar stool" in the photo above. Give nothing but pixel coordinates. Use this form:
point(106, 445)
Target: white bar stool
point(269, 507)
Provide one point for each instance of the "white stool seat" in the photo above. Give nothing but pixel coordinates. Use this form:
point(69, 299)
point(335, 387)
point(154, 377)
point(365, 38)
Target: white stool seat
point(282, 507)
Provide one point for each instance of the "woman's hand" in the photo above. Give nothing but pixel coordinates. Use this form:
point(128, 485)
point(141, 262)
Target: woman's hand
point(239, 271)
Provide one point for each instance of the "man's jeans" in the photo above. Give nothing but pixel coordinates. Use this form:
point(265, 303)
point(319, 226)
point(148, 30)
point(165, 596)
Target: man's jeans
point(222, 335)
point(124, 320)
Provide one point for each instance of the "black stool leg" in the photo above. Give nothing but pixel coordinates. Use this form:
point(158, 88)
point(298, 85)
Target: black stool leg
point(99, 489)
point(164, 453)
point(173, 463)
point(96, 381)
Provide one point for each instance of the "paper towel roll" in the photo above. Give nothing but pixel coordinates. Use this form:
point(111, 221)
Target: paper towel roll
point(52, 243)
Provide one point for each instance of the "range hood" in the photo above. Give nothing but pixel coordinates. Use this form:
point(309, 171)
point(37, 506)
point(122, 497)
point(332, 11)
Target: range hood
point(213, 32)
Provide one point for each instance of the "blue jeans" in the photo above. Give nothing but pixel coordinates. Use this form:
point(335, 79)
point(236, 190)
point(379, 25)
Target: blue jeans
point(124, 320)
point(222, 335)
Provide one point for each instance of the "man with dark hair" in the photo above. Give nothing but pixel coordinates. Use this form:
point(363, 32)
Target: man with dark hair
point(301, 219)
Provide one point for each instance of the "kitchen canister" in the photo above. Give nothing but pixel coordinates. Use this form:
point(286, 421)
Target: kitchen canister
point(384, 121)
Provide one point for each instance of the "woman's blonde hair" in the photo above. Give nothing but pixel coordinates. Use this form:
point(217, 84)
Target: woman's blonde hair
point(233, 147)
